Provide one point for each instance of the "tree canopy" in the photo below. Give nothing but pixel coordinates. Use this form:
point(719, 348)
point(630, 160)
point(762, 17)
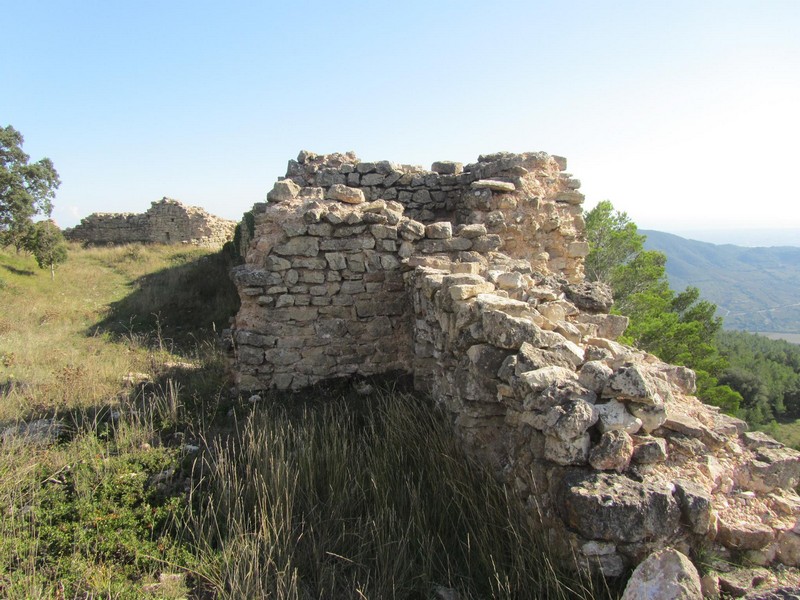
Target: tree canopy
point(679, 328)
point(48, 246)
point(26, 189)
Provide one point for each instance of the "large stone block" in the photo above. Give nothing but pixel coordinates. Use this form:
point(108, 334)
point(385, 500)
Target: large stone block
point(611, 507)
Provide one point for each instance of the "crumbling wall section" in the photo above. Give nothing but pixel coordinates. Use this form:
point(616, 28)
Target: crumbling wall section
point(167, 221)
point(606, 443)
point(527, 200)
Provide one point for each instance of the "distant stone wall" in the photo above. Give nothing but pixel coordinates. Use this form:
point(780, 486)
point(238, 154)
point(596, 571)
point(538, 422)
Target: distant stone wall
point(480, 296)
point(167, 222)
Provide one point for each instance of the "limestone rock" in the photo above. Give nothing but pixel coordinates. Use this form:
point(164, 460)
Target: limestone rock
point(695, 503)
point(648, 450)
point(567, 452)
point(631, 383)
point(614, 417)
point(651, 416)
point(343, 193)
point(594, 375)
point(447, 167)
point(606, 326)
point(540, 379)
point(593, 297)
point(283, 190)
point(744, 536)
point(613, 453)
point(439, 231)
point(605, 506)
point(495, 185)
point(664, 575)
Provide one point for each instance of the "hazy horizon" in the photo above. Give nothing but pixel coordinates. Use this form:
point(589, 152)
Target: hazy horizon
point(746, 237)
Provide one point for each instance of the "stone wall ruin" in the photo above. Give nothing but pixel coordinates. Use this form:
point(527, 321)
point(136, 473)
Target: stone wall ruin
point(470, 278)
point(167, 221)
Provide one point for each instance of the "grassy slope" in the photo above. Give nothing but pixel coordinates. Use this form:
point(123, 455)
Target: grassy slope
point(321, 500)
point(754, 288)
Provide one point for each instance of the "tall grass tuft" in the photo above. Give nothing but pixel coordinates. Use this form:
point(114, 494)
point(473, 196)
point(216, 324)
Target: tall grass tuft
point(338, 503)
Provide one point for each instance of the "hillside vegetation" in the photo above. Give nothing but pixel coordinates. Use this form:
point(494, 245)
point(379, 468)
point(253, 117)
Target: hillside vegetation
point(128, 470)
point(755, 288)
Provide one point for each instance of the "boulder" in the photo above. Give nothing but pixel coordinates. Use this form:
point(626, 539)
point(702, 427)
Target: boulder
point(612, 507)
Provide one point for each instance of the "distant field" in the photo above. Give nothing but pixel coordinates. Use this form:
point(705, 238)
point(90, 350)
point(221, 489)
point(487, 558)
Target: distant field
point(792, 338)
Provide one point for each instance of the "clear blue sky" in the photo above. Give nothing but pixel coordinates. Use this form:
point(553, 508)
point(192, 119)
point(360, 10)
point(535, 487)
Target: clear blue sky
point(684, 114)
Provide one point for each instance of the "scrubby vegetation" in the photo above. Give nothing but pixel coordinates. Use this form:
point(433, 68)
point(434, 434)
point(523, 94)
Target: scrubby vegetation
point(127, 470)
point(748, 376)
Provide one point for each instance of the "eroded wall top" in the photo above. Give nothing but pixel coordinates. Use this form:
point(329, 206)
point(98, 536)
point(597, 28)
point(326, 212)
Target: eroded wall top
point(167, 221)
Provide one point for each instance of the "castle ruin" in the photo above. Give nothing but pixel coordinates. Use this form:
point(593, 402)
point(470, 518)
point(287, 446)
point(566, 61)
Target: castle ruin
point(167, 221)
point(470, 279)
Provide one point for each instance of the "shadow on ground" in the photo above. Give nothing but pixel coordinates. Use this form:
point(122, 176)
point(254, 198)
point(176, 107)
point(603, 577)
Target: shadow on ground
point(178, 307)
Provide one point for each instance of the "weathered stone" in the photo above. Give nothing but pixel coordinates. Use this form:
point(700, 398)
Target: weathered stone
point(606, 326)
point(614, 417)
point(592, 297)
point(614, 451)
point(299, 246)
point(773, 468)
point(567, 452)
point(604, 506)
point(540, 379)
point(411, 230)
point(744, 536)
point(494, 185)
point(652, 416)
point(664, 575)
point(343, 193)
point(648, 450)
point(471, 231)
point(283, 190)
point(631, 383)
point(447, 167)
point(439, 231)
point(695, 503)
point(594, 375)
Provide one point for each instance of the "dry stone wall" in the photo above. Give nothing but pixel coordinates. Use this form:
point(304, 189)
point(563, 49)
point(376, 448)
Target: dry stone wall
point(606, 442)
point(167, 221)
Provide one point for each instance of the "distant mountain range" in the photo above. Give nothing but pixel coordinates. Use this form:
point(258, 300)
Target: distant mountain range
point(755, 289)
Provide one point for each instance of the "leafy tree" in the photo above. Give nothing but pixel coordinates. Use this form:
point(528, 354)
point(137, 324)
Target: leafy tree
point(26, 189)
point(679, 328)
point(48, 246)
point(613, 241)
point(767, 374)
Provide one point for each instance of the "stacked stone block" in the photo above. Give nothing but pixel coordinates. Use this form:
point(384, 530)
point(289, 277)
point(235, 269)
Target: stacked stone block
point(527, 200)
point(167, 222)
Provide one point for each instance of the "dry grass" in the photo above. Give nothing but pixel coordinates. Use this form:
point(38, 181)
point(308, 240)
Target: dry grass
point(157, 484)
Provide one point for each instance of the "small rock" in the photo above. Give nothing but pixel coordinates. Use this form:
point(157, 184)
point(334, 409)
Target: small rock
point(664, 575)
point(613, 453)
point(648, 450)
